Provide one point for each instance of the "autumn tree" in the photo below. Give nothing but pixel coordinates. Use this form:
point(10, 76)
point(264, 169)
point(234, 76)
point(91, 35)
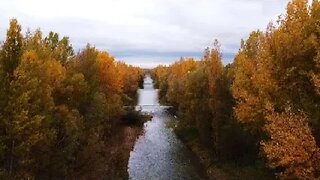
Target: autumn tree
point(160, 75)
point(30, 112)
point(10, 54)
point(177, 80)
point(59, 111)
point(245, 91)
point(11, 49)
point(315, 16)
point(274, 86)
point(131, 78)
point(292, 146)
point(214, 70)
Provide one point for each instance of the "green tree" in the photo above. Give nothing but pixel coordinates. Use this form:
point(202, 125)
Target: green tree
point(10, 55)
point(61, 48)
point(11, 50)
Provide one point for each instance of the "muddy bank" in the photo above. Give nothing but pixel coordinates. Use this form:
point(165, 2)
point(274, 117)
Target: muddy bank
point(121, 146)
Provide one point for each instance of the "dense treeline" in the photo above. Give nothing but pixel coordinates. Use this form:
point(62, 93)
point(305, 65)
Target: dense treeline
point(265, 105)
point(59, 109)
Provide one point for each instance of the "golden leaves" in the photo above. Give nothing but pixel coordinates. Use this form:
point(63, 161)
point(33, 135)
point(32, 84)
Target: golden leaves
point(291, 145)
point(276, 77)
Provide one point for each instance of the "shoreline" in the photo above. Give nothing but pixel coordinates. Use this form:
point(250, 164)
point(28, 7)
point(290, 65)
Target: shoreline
point(220, 170)
point(212, 168)
point(123, 144)
point(202, 157)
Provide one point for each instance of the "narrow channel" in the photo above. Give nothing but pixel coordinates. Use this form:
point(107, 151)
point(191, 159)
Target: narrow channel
point(158, 153)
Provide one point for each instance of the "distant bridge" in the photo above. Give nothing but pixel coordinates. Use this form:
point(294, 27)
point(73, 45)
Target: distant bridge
point(153, 105)
point(147, 107)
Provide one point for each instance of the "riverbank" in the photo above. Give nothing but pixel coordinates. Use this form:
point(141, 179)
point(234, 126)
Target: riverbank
point(215, 169)
point(203, 155)
point(123, 142)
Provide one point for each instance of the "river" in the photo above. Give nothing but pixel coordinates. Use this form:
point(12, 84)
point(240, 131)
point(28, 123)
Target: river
point(158, 153)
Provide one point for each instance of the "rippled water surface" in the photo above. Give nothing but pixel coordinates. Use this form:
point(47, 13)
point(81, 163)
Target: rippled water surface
point(158, 153)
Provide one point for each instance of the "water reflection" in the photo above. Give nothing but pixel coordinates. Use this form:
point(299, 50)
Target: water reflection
point(158, 154)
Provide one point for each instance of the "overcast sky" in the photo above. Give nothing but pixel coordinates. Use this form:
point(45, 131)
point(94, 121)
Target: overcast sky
point(146, 32)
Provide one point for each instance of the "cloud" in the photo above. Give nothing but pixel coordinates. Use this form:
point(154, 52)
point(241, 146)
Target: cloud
point(146, 32)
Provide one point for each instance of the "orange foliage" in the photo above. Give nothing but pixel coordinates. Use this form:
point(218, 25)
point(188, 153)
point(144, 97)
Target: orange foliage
point(56, 108)
point(291, 145)
point(110, 82)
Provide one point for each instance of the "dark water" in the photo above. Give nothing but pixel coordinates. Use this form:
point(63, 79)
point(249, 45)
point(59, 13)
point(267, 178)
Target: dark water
point(158, 153)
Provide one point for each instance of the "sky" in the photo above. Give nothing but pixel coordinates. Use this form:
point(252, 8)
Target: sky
point(146, 33)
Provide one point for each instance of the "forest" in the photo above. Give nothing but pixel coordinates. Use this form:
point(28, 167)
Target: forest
point(263, 110)
point(63, 111)
point(60, 110)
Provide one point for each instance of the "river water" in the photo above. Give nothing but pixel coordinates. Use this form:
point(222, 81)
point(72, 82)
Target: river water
point(158, 153)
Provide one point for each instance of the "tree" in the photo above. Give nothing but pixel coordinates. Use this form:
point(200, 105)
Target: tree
point(30, 112)
point(291, 146)
point(214, 71)
point(277, 82)
point(56, 109)
point(61, 48)
point(10, 54)
point(11, 50)
point(131, 78)
point(245, 91)
point(160, 76)
point(195, 106)
point(177, 80)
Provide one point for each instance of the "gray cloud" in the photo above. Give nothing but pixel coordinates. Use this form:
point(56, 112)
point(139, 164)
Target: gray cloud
point(146, 32)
